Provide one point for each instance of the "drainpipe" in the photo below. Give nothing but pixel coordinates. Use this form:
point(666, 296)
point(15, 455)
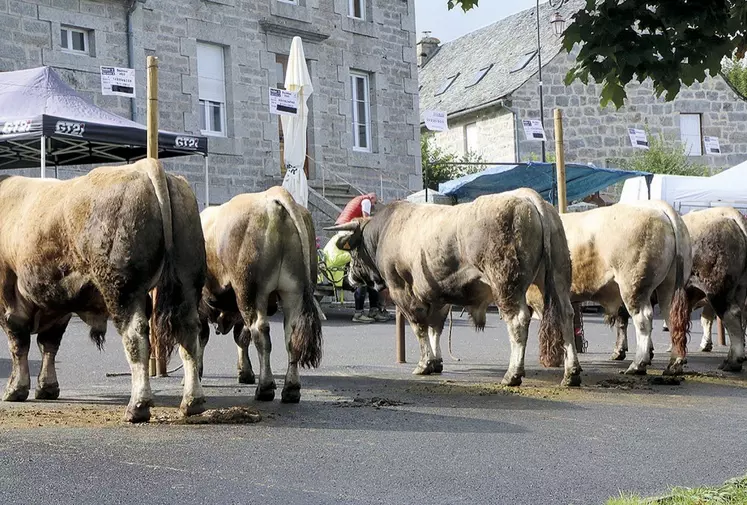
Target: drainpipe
point(131, 50)
point(517, 127)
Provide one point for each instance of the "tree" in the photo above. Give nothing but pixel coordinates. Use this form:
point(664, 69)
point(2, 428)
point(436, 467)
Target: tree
point(441, 166)
point(735, 71)
point(663, 156)
point(672, 42)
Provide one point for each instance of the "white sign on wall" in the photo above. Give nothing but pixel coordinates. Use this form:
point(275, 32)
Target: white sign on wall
point(711, 145)
point(282, 102)
point(435, 120)
point(638, 138)
point(118, 81)
point(533, 129)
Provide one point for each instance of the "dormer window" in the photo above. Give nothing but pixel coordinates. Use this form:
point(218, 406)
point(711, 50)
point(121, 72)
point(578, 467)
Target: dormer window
point(446, 85)
point(524, 61)
point(479, 75)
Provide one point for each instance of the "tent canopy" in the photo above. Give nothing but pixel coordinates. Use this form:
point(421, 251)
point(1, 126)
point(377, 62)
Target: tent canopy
point(581, 180)
point(37, 103)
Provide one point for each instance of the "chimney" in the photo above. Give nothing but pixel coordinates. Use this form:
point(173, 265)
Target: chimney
point(427, 47)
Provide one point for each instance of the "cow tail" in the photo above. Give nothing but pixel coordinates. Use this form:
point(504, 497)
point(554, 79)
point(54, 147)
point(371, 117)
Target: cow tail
point(169, 295)
point(306, 335)
point(552, 323)
point(679, 311)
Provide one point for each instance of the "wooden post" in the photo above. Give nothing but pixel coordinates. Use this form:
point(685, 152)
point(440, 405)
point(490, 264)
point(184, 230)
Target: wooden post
point(399, 321)
point(560, 161)
point(720, 331)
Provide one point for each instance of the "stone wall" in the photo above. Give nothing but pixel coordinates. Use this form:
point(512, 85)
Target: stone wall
point(495, 135)
point(253, 32)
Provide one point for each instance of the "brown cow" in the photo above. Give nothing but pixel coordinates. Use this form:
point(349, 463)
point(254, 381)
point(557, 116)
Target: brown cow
point(261, 248)
point(94, 246)
point(473, 254)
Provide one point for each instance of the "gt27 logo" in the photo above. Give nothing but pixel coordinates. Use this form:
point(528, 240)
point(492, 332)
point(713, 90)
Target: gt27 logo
point(19, 126)
point(186, 142)
point(70, 128)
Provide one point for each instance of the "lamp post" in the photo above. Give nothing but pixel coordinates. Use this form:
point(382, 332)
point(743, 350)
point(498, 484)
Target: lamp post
point(558, 24)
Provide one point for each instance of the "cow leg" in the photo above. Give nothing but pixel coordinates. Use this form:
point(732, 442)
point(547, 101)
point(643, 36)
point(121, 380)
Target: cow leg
point(706, 321)
point(427, 363)
point(47, 387)
point(19, 341)
point(643, 321)
point(204, 339)
point(621, 343)
point(733, 324)
point(243, 337)
point(517, 320)
point(292, 309)
point(134, 327)
point(190, 351)
point(260, 331)
point(434, 335)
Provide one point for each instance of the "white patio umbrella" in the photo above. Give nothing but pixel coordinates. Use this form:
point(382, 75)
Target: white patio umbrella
point(294, 127)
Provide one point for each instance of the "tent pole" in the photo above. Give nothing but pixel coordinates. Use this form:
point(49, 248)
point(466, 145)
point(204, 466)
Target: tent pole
point(207, 184)
point(43, 157)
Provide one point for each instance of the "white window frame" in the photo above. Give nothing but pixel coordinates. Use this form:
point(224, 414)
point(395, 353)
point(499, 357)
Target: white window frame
point(205, 102)
point(356, 122)
point(693, 142)
point(351, 9)
point(466, 138)
point(294, 2)
point(69, 39)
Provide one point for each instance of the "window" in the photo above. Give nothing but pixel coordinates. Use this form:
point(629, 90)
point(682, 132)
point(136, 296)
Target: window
point(357, 9)
point(445, 85)
point(691, 135)
point(74, 40)
point(289, 1)
point(523, 62)
point(471, 144)
point(212, 89)
point(361, 111)
point(479, 75)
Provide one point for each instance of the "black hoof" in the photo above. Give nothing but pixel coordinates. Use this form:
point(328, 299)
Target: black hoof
point(192, 407)
point(48, 392)
point(707, 348)
point(571, 380)
point(438, 366)
point(511, 380)
point(16, 395)
point(423, 370)
point(634, 369)
point(265, 394)
point(618, 356)
point(247, 378)
point(291, 394)
point(139, 413)
point(730, 366)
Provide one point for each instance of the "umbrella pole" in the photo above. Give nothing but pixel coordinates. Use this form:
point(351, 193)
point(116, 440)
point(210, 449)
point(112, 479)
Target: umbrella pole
point(207, 184)
point(43, 157)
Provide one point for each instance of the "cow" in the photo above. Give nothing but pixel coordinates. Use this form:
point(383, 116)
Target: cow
point(261, 250)
point(473, 254)
point(624, 254)
point(95, 246)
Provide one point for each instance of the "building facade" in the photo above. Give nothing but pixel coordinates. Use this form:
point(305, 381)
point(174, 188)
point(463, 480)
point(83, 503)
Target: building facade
point(494, 85)
point(217, 60)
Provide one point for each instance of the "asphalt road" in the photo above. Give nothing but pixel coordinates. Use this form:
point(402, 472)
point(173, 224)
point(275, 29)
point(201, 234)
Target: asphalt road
point(366, 431)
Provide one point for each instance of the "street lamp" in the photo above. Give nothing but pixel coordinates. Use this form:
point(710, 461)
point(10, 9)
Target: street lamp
point(558, 24)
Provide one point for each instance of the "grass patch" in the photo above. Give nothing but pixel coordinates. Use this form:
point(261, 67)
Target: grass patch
point(732, 492)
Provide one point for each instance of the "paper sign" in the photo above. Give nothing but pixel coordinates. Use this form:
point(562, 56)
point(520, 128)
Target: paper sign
point(638, 138)
point(283, 102)
point(435, 120)
point(533, 129)
point(711, 145)
point(118, 81)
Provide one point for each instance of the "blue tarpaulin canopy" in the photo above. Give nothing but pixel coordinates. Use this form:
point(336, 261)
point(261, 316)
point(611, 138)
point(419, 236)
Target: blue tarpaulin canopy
point(581, 180)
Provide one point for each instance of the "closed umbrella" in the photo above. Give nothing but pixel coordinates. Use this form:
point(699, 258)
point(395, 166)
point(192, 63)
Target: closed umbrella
point(294, 127)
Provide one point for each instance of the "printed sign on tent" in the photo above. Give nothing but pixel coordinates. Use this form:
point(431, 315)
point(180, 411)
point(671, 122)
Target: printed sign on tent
point(533, 129)
point(283, 102)
point(435, 120)
point(118, 81)
point(638, 138)
point(711, 145)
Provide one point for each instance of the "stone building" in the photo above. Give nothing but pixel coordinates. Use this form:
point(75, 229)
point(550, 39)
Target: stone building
point(217, 59)
point(487, 83)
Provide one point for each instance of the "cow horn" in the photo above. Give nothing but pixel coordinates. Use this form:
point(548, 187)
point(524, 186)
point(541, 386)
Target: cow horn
point(351, 226)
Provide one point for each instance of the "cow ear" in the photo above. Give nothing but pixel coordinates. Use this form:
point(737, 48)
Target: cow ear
point(350, 241)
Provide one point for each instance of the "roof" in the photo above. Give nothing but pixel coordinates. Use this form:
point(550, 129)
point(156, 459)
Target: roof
point(502, 45)
point(36, 102)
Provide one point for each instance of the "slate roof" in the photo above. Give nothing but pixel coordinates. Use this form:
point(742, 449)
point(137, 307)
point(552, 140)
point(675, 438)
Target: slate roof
point(502, 44)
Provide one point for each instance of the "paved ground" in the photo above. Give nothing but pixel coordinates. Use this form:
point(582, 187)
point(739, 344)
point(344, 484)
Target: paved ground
point(366, 431)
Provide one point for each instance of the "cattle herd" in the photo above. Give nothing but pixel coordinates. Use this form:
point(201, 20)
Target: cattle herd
point(128, 244)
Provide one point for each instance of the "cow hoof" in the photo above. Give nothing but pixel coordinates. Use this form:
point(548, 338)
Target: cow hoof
point(265, 393)
point(48, 392)
point(676, 367)
point(16, 395)
point(730, 366)
point(634, 369)
point(512, 380)
point(571, 380)
point(707, 348)
point(247, 378)
point(138, 413)
point(618, 355)
point(426, 369)
point(291, 394)
point(192, 407)
point(438, 365)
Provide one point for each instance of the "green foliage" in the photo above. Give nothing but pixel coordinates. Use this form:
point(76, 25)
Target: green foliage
point(663, 156)
point(735, 71)
point(438, 164)
point(733, 492)
point(464, 4)
point(549, 156)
